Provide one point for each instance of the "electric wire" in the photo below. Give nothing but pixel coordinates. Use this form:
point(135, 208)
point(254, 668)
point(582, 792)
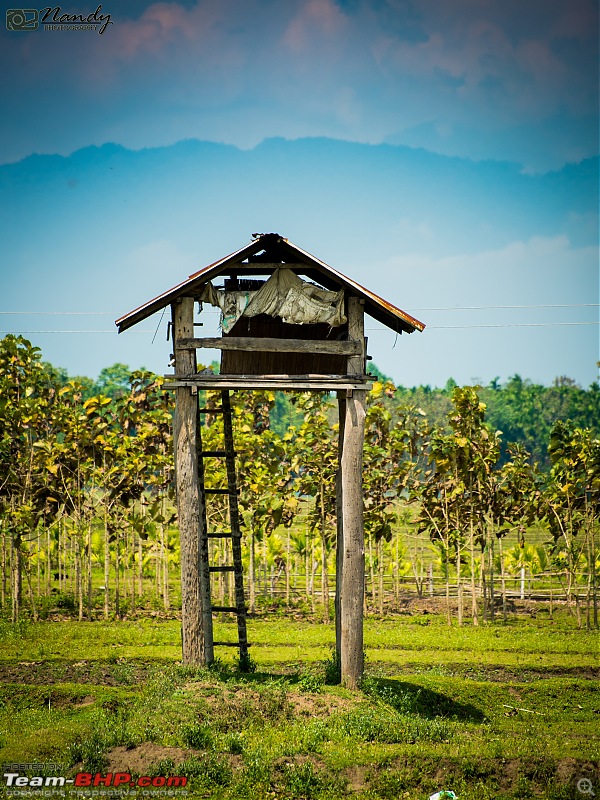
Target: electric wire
point(138, 330)
point(438, 308)
point(428, 327)
point(485, 308)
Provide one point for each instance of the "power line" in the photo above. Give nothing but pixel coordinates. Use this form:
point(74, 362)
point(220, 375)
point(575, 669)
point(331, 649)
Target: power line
point(61, 313)
point(438, 308)
point(484, 308)
point(512, 325)
point(499, 325)
point(140, 330)
point(429, 327)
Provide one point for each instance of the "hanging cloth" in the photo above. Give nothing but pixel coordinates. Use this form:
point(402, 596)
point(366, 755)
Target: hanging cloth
point(283, 295)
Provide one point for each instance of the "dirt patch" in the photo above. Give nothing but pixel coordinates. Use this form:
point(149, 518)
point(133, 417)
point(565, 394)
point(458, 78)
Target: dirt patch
point(484, 672)
point(505, 773)
point(309, 705)
point(356, 778)
point(570, 769)
point(123, 672)
point(203, 688)
point(137, 760)
point(290, 703)
point(86, 701)
point(508, 675)
point(48, 697)
point(509, 773)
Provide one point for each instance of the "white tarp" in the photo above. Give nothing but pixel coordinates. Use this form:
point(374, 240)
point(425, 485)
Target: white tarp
point(284, 295)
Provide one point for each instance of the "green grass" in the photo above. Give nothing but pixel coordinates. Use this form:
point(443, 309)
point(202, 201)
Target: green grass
point(505, 712)
point(399, 639)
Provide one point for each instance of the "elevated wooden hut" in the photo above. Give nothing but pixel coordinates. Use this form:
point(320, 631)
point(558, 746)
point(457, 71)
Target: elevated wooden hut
point(289, 322)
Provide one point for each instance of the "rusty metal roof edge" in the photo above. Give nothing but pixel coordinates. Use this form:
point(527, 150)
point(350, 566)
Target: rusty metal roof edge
point(385, 304)
point(137, 315)
point(206, 273)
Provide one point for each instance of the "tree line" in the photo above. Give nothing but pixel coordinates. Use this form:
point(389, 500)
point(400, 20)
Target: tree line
point(88, 518)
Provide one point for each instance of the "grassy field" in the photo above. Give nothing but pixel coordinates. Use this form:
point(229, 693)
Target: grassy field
point(507, 711)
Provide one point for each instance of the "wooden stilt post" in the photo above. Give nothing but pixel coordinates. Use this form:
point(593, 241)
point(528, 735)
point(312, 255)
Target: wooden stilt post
point(353, 564)
point(188, 493)
point(339, 549)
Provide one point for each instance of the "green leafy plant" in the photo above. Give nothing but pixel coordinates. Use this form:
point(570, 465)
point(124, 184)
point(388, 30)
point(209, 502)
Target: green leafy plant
point(333, 669)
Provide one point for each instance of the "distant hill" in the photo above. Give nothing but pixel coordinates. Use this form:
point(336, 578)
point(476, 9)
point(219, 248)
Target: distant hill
point(374, 192)
point(107, 228)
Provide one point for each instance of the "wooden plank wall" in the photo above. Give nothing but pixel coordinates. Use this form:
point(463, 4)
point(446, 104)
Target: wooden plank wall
point(256, 363)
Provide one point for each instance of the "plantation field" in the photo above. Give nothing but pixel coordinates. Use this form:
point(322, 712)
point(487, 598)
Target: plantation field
point(504, 711)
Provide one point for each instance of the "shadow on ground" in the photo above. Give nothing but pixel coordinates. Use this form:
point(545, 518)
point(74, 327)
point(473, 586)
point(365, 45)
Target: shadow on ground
point(407, 698)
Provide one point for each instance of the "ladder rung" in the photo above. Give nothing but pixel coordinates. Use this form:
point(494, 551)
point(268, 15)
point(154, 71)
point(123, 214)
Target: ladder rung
point(228, 535)
point(215, 453)
point(216, 491)
point(230, 644)
point(221, 569)
point(210, 410)
point(233, 609)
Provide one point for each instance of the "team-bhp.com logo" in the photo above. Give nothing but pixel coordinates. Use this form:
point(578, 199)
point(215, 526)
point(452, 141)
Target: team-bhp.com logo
point(30, 19)
point(14, 780)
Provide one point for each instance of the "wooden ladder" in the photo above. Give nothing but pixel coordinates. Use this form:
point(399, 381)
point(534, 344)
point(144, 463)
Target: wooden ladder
point(234, 534)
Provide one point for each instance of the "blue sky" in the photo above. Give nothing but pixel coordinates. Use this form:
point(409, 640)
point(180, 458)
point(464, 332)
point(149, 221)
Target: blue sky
point(471, 80)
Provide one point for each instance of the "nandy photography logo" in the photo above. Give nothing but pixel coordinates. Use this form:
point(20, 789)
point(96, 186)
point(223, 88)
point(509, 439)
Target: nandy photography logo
point(53, 19)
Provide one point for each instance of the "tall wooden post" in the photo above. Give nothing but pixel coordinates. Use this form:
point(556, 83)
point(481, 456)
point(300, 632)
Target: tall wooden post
point(353, 564)
point(339, 544)
point(185, 436)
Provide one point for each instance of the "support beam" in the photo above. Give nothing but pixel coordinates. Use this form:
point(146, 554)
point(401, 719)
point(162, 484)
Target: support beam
point(339, 544)
point(264, 344)
point(185, 434)
point(353, 563)
point(305, 383)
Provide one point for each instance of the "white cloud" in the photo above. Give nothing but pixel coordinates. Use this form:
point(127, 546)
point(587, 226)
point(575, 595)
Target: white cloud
point(540, 267)
point(241, 71)
point(535, 342)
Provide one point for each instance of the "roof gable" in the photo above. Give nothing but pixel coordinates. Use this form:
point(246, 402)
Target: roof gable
point(264, 254)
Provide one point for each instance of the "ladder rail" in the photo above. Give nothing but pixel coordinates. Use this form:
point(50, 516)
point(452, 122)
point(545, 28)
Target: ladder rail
point(203, 552)
point(234, 517)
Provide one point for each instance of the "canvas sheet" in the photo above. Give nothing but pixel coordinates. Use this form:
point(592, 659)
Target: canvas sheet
point(284, 295)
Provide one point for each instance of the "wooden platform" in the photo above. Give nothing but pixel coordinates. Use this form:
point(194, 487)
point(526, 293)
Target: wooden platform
point(306, 383)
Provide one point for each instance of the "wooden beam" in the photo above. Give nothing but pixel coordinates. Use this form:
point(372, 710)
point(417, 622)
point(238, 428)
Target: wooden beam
point(196, 639)
point(195, 377)
point(321, 384)
point(357, 363)
point(269, 345)
point(353, 562)
point(243, 266)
